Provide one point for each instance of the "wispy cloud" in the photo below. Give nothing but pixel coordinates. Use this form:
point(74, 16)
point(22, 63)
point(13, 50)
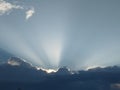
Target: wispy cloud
point(6, 7)
point(30, 13)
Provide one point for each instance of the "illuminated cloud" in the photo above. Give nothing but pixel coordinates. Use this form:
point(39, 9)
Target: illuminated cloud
point(30, 13)
point(47, 70)
point(6, 7)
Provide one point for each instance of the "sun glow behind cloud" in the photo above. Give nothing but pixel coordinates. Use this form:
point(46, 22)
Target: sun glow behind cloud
point(47, 70)
point(60, 33)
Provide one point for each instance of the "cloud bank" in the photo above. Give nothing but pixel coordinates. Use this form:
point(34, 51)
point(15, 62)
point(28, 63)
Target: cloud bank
point(26, 77)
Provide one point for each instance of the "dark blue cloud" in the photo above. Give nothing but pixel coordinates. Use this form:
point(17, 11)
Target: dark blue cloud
point(24, 76)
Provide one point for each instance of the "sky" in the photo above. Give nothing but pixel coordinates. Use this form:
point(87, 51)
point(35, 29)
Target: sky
point(56, 33)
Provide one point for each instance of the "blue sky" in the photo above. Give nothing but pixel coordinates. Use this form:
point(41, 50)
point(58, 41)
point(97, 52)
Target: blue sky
point(55, 33)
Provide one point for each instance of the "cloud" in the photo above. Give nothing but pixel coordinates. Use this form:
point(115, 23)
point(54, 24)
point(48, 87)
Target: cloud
point(30, 13)
point(6, 7)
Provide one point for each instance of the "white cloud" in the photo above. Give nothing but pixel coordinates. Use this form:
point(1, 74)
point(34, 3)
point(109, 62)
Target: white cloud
point(30, 13)
point(5, 7)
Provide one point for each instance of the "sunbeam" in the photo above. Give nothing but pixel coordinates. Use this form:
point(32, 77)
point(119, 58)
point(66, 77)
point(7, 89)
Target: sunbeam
point(76, 34)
